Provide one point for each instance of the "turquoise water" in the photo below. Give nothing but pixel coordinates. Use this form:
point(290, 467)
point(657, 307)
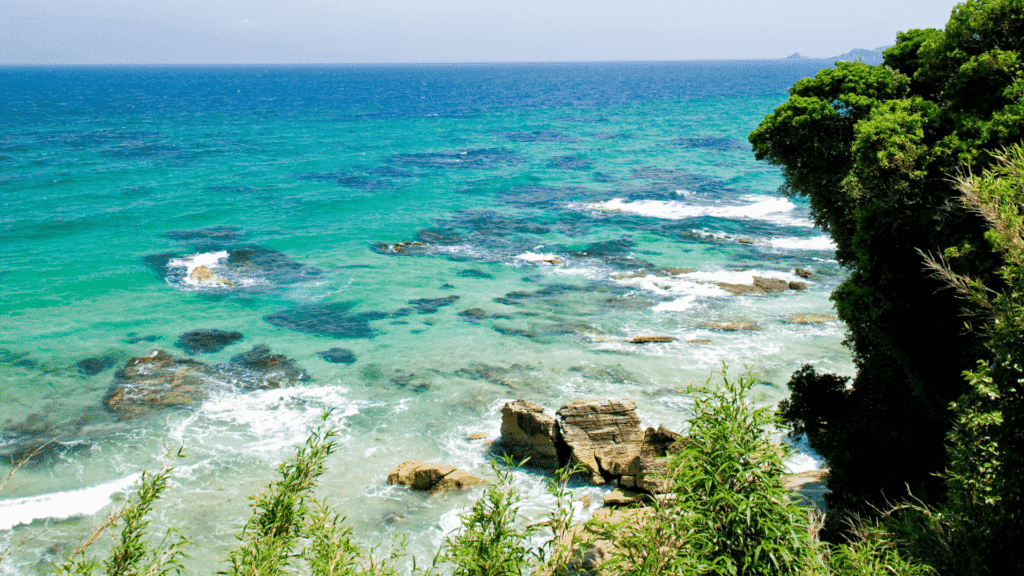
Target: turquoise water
point(541, 196)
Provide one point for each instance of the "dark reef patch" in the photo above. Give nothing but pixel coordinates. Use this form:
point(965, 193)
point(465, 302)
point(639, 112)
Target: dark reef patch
point(211, 235)
point(93, 366)
point(539, 136)
point(133, 338)
point(440, 236)
point(473, 273)
point(206, 341)
point(431, 305)
point(338, 356)
point(570, 162)
point(719, 143)
point(332, 319)
point(458, 159)
point(275, 266)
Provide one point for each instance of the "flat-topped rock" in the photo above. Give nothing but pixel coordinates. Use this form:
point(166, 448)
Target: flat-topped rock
point(811, 318)
point(771, 285)
point(649, 339)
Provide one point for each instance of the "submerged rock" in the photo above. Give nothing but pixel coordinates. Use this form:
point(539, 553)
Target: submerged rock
point(333, 319)
point(338, 356)
point(161, 380)
point(431, 305)
point(157, 380)
point(433, 477)
point(93, 366)
point(266, 370)
point(527, 432)
point(205, 341)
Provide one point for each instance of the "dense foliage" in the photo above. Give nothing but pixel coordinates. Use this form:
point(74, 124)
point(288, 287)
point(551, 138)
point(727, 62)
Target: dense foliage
point(873, 148)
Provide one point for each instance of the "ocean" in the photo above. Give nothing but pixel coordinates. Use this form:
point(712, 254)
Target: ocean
point(413, 246)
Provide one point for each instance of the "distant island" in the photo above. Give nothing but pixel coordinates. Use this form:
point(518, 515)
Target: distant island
point(866, 56)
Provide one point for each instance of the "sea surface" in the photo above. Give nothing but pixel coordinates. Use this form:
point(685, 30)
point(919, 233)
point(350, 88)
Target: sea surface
point(419, 244)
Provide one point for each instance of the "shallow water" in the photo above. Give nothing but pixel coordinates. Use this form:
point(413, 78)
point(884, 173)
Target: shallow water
point(425, 242)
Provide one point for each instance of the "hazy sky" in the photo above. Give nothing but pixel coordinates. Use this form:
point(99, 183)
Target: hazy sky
point(276, 31)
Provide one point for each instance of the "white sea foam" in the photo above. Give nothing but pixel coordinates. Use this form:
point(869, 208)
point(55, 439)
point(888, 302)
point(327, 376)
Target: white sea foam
point(193, 261)
point(803, 457)
point(739, 276)
point(821, 243)
point(81, 502)
point(678, 305)
point(755, 208)
point(538, 257)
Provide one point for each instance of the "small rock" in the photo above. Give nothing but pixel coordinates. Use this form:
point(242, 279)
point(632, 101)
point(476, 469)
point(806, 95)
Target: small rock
point(678, 271)
point(700, 341)
point(585, 500)
point(798, 286)
point(476, 436)
point(648, 339)
point(811, 318)
point(731, 326)
point(804, 273)
point(745, 241)
point(204, 275)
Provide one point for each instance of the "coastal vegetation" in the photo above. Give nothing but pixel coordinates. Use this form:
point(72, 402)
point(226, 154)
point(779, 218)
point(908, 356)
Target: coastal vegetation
point(887, 155)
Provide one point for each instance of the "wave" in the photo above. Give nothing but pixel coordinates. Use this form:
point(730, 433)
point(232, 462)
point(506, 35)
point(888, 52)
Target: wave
point(60, 505)
point(775, 210)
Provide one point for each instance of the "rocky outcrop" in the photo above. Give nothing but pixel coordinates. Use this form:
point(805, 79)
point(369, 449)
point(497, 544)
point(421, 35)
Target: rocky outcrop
point(432, 477)
point(739, 288)
point(804, 273)
point(527, 432)
point(602, 435)
point(771, 285)
point(266, 370)
point(798, 286)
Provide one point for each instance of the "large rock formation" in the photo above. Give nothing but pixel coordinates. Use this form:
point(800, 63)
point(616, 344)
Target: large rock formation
point(602, 435)
point(433, 477)
point(527, 432)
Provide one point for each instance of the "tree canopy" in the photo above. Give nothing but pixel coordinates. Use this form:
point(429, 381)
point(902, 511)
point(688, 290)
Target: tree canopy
point(876, 151)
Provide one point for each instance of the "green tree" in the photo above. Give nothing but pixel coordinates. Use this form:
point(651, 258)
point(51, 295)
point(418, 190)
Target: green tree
point(871, 148)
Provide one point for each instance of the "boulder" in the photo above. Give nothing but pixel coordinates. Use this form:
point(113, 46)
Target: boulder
point(433, 477)
point(804, 273)
point(798, 286)
point(203, 275)
point(622, 497)
point(770, 285)
point(649, 339)
point(527, 432)
point(602, 435)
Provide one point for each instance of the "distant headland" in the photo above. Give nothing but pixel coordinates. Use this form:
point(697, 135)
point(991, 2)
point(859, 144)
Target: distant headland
point(866, 56)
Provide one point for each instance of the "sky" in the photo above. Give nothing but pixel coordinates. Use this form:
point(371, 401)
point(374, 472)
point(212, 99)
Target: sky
point(434, 31)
